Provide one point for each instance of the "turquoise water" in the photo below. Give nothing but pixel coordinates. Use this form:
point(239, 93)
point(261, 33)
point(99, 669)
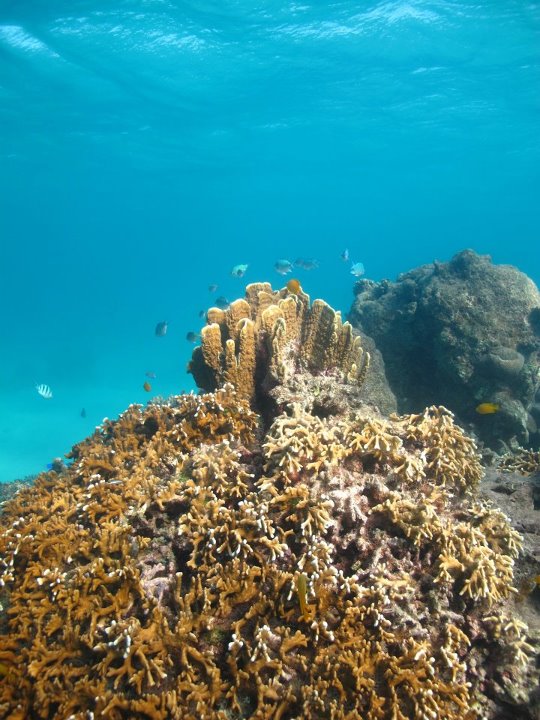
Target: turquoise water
point(148, 147)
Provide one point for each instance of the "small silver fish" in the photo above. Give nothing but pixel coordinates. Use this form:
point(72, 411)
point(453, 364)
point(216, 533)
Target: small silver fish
point(83, 412)
point(192, 337)
point(345, 255)
point(283, 267)
point(44, 390)
point(212, 288)
point(307, 263)
point(161, 328)
point(57, 464)
point(222, 303)
point(357, 269)
point(202, 313)
point(150, 374)
point(239, 270)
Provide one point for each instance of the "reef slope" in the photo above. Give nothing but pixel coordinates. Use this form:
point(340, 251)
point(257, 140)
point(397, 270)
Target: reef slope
point(273, 548)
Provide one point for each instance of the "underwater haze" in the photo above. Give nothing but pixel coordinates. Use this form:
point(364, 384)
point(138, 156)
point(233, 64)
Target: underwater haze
point(147, 147)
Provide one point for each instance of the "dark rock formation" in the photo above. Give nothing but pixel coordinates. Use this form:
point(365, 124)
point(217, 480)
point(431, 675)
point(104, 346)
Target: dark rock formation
point(459, 334)
point(376, 389)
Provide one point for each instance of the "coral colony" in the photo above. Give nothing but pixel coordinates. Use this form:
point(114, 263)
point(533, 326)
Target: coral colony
point(268, 549)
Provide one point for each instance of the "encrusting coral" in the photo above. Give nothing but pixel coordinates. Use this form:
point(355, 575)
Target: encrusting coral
point(198, 561)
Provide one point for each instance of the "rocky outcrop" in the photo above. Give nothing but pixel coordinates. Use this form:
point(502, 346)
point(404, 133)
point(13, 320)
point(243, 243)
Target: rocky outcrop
point(460, 334)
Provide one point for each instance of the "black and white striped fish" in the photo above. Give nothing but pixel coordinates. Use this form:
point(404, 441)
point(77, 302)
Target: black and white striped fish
point(45, 391)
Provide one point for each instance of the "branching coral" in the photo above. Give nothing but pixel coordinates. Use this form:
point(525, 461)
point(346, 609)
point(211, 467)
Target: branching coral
point(526, 462)
point(450, 456)
point(189, 565)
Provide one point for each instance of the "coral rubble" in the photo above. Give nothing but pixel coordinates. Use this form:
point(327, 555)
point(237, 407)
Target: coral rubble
point(200, 560)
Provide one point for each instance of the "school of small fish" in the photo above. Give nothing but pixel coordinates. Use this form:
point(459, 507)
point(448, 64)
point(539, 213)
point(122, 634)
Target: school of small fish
point(293, 286)
point(282, 266)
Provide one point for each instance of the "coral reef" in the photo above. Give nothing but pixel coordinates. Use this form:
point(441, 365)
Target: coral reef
point(199, 559)
point(445, 342)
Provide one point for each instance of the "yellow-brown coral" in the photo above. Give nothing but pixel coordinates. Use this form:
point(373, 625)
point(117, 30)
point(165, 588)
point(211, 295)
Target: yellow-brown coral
point(262, 339)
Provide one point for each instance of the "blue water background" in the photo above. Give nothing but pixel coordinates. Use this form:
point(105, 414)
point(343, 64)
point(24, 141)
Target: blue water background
point(147, 147)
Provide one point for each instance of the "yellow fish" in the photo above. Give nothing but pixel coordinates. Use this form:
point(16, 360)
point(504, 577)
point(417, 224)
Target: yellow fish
point(487, 408)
